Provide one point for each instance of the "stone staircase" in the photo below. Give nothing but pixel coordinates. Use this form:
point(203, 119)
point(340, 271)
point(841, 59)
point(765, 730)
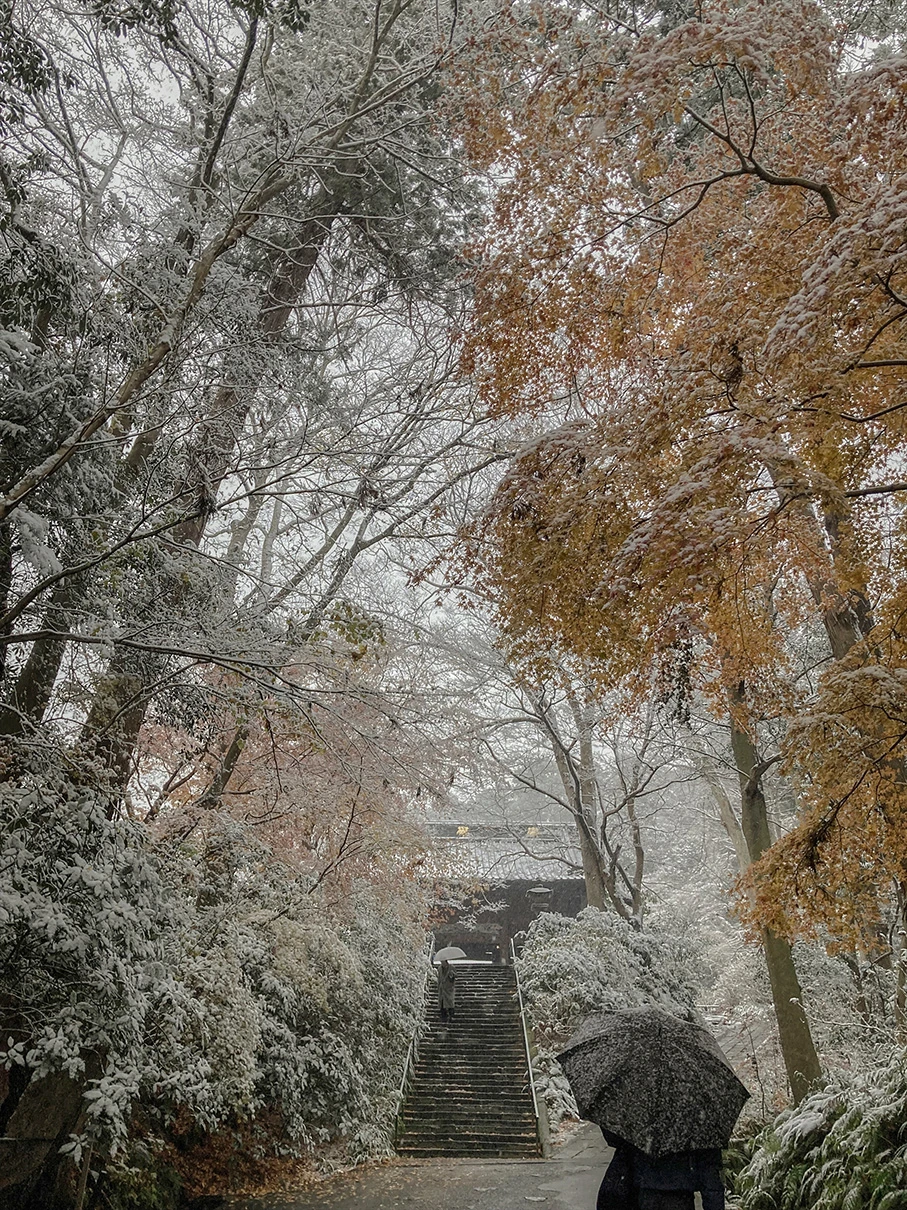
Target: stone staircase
point(470, 1092)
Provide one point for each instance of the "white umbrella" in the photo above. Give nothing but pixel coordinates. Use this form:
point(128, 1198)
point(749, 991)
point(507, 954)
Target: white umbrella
point(448, 953)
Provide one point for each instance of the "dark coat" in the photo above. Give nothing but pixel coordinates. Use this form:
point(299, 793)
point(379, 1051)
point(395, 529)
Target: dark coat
point(636, 1181)
point(446, 985)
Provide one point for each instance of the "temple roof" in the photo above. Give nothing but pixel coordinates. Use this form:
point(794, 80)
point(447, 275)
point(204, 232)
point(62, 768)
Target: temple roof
point(506, 852)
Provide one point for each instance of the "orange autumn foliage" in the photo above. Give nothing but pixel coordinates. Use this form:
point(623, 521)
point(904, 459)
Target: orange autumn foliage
point(694, 280)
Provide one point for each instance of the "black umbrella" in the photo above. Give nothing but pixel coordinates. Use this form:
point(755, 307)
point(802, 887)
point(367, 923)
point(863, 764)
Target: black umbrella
point(660, 1083)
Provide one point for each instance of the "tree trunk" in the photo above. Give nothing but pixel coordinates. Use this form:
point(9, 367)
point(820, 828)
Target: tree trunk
point(6, 583)
point(116, 716)
point(45, 1114)
point(729, 820)
point(900, 958)
point(801, 1061)
point(592, 862)
point(34, 685)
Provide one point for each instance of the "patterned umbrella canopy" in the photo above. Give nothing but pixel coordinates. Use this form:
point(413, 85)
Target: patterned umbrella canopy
point(662, 1084)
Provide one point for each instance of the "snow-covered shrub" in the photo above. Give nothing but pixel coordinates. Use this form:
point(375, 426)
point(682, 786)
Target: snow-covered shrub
point(844, 1148)
point(200, 980)
point(82, 910)
point(553, 1087)
point(308, 1006)
point(570, 968)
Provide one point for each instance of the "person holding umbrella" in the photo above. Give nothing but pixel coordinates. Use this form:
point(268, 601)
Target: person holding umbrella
point(636, 1181)
point(447, 980)
point(666, 1099)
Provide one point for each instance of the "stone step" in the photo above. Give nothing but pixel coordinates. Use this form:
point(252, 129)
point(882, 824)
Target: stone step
point(474, 1061)
point(445, 1081)
point(472, 1031)
point(457, 1040)
point(471, 1056)
point(518, 1115)
point(512, 1093)
point(468, 1089)
point(452, 1032)
point(498, 1064)
point(456, 1151)
point(481, 1012)
point(445, 1077)
point(481, 1067)
point(479, 1129)
point(497, 1060)
point(464, 1100)
point(470, 1092)
point(472, 1035)
point(502, 994)
point(462, 1020)
point(468, 1032)
point(418, 1137)
point(444, 1084)
point(479, 1008)
point(477, 987)
point(501, 989)
point(507, 1078)
point(424, 1138)
point(493, 997)
point(442, 1073)
point(478, 1014)
point(459, 1043)
point(469, 1144)
point(450, 1048)
point(442, 1122)
point(462, 1027)
point(455, 1043)
point(486, 986)
point(466, 1012)
point(431, 1089)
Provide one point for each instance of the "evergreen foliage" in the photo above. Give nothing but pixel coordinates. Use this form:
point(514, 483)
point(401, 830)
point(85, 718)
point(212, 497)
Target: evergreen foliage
point(197, 976)
point(571, 968)
point(843, 1148)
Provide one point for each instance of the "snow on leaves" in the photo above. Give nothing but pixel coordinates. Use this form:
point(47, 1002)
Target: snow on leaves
point(179, 971)
point(701, 258)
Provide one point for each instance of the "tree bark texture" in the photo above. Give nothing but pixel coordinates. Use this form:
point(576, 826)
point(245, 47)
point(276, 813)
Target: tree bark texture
point(593, 874)
point(801, 1062)
point(37, 1122)
point(32, 691)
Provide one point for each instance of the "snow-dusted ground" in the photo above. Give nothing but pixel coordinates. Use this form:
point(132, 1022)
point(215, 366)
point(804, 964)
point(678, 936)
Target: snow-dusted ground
point(567, 1181)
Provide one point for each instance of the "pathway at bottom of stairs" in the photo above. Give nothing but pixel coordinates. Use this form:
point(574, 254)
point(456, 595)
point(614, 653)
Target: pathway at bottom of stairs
point(569, 1180)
